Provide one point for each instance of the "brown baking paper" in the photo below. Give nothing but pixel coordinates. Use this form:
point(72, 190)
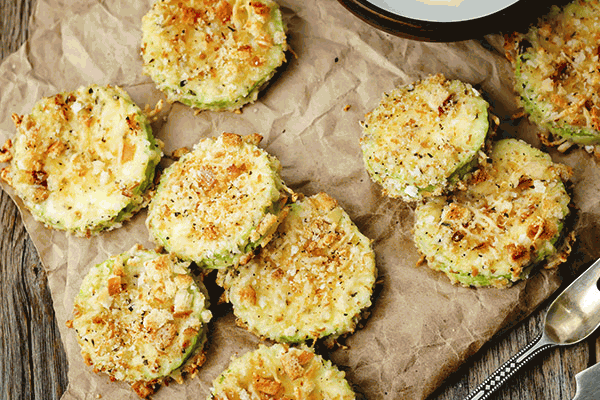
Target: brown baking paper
point(421, 327)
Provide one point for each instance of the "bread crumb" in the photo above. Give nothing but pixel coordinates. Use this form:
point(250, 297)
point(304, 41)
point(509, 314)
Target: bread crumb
point(152, 113)
point(178, 153)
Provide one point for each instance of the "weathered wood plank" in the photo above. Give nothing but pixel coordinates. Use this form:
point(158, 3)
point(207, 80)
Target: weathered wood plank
point(33, 360)
point(14, 15)
point(32, 357)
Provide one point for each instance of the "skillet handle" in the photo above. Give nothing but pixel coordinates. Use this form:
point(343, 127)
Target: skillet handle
point(510, 368)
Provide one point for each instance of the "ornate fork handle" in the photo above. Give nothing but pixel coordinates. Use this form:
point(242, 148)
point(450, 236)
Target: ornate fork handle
point(509, 368)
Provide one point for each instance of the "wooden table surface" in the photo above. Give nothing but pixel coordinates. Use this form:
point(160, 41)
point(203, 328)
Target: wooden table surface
point(33, 362)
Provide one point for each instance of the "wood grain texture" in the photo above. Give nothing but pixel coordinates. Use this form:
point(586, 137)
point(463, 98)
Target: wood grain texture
point(33, 359)
point(33, 362)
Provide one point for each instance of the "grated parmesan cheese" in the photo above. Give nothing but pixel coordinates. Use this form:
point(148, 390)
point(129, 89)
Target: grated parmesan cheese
point(313, 280)
point(213, 55)
point(282, 371)
point(422, 138)
point(142, 334)
point(508, 218)
point(83, 160)
point(557, 74)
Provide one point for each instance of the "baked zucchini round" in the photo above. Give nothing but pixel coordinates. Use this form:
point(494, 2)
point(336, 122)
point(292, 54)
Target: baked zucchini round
point(82, 161)
point(219, 202)
point(557, 72)
point(313, 280)
point(423, 137)
point(213, 55)
point(281, 372)
point(139, 316)
point(507, 220)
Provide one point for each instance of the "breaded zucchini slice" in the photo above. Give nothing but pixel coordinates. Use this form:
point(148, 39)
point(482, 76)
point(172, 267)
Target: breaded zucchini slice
point(139, 316)
point(81, 161)
point(281, 372)
point(424, 136)
point(219, 202)
point(313, 280)
point(508, 219)
point(557, 71)
point(213, 55)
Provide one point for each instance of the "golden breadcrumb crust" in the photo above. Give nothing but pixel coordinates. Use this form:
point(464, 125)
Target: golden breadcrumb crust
point(139, 316)
point(509, 217)
point(313, 280)
point(213, 55)
point(281, 372)
point(424, 136)
point(81, 161)
point(217, 203)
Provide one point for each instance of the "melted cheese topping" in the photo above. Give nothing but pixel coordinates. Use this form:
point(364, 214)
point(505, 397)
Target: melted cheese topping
point(281, 372)
point(558, 71)
point(507, 219)
point(218, 202)
point(312, 280)
point(423, 136)
point(139, 316)
point(82, 160)
point(213, 55)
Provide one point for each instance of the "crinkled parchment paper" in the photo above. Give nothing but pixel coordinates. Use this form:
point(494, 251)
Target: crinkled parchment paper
point(421, 327)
